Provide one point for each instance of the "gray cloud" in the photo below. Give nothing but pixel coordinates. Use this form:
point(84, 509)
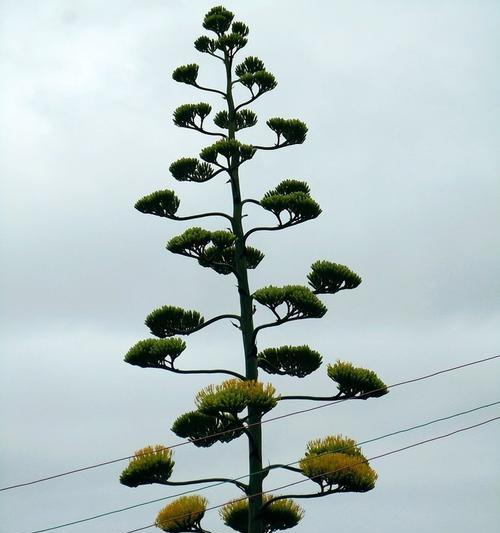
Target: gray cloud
point(401, 99)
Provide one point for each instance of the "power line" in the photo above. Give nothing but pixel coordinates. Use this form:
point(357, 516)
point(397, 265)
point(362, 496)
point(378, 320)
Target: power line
point(394, 385)
point(392, 452)
point(183, 443)
point(405, 430)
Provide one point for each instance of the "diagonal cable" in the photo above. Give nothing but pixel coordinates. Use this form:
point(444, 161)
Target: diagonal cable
point(386, 435)
point(183, 443)
point(386, 454)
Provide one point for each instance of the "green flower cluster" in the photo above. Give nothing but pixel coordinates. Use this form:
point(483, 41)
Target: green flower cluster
point(186, 74)
point(328, 278)
point(232, 150)
point(355, 381)
point(243, 119)
point(191, 243)
point(253, 75)
point(220, 255)
point(292, 197)
point(250, 65)
point(222, 259)
point(155, 353)
point(299, 300)
point(258, 82)
point(234, 396)
point(185, 115)
point(170, 320)
point(219, 20)
point(293, 131)
point(298, 361)
point(160, 203)
point(191, 169)
point(289, 186)
point(152, 464)
point(337, 461)
point(204, 430)
point(278, 515)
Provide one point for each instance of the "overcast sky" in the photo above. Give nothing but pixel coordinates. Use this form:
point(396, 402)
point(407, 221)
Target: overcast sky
point(401, 100)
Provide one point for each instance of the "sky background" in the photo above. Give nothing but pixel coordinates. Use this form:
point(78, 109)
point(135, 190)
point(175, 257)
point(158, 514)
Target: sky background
point(401, 100)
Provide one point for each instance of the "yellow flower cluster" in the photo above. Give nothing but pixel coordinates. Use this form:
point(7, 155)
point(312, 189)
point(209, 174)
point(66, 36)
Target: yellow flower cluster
point(333, 444)
point(337, 461)
point(150, 454)
point(152, 464)
point(234, 395)
point(279, 515)
point(349, 472)
point(182, 514)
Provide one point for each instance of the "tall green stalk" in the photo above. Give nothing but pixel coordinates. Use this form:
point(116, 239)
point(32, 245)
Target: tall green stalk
point(246, 324)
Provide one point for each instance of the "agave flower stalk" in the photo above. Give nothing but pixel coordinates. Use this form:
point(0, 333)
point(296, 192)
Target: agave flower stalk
point(234, 408)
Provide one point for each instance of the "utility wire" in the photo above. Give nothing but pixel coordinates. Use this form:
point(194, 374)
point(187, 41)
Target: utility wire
point(392, 452)
point(405, 430)
point(183, 443)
